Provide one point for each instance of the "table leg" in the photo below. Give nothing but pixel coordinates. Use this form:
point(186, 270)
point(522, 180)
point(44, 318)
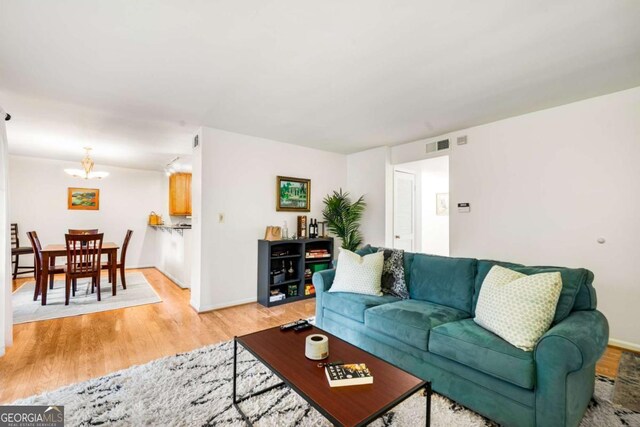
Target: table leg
point(113, 267)
point(235, 363)
point(44, 278)
point(428, 392)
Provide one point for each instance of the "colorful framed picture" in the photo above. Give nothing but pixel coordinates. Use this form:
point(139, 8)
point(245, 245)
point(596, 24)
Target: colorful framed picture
point(293, 194)
point(83, 199)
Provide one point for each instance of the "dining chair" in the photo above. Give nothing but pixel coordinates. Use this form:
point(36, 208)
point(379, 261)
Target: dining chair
point(16, 251)
point(81, 231)
point(121, 264)
point(37, 258)
point(83, 260)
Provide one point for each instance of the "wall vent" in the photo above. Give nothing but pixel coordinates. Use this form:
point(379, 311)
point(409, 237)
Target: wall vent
point(432, 147)
point(196, 141)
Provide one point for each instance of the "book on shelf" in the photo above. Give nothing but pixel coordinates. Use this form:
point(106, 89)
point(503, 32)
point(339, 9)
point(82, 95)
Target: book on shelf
point(340, 375)
point(317, 253)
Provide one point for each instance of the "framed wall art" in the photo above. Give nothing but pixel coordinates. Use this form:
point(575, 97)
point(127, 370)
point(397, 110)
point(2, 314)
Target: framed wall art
point(293, 194)
point(83, 199)
point(442, 204)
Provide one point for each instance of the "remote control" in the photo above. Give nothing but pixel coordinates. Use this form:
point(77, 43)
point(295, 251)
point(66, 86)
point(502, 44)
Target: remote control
point(302, 327)
point(292, 325)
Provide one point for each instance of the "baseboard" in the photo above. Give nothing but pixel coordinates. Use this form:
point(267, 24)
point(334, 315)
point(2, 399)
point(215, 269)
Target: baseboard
point(173, 279)
point(624, 344)
point(205, 308)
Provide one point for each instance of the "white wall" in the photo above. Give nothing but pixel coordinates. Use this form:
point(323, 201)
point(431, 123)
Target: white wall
point(545, 186)
point(38, 201)
point(237, 174)
point(369, 173)
point(434, 228)
point(6, 320)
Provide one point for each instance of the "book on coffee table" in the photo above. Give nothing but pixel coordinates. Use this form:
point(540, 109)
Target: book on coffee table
point(348, 374)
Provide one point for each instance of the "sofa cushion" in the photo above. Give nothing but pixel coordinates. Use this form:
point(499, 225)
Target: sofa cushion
point(467, 343)
point(573, 279)
point(353, 305)
point(409, 321)
point(443, 280)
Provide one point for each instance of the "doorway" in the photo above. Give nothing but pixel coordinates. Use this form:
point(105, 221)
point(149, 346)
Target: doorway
point(421, 206)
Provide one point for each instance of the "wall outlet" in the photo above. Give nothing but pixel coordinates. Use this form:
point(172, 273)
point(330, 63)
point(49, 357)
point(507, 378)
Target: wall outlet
point(220, 217)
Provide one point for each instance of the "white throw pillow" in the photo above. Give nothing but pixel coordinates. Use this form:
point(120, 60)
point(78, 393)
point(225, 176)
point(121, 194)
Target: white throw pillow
point(517, 307)
point(358, 274)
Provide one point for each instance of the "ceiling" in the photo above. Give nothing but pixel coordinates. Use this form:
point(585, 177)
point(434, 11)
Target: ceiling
point(140, 76)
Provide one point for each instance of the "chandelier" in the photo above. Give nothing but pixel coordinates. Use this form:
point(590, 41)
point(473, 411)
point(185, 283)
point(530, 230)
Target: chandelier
point(87, 168)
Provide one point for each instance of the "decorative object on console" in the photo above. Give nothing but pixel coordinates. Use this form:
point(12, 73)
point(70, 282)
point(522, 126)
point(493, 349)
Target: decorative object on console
point(83, 199)
point(358, 275)
point(87, 171)
point(343, 218)
point(302, 226)
point(316, 347)
point(323, 233)
point(273, 233)
point(442, 204)
point(155, 219)
point(393, 282)
point(517, 307)
point(293, 194)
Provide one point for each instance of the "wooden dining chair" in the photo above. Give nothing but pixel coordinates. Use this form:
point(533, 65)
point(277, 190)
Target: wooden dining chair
point(120, 265)
point(83, 260)
point(37, 258)
point(76, 231)
point(16, 251)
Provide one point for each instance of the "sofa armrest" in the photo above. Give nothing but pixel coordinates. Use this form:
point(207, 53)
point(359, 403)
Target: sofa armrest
point(565, 367)
point(576, 342)
point(322, 281)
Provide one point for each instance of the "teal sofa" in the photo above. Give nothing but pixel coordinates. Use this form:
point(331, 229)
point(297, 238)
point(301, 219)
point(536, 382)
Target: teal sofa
point(433, 336)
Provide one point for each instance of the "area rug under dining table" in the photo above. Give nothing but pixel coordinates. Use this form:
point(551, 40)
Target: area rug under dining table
point(194, 389)
point(25, 309)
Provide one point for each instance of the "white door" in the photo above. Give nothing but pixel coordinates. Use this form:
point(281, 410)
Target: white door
point(403, 210)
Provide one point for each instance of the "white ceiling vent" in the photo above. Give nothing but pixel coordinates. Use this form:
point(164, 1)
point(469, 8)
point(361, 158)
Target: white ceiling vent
point(432, 147)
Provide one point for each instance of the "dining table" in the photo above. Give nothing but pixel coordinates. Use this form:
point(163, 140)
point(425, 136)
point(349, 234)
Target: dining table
point(51, 252)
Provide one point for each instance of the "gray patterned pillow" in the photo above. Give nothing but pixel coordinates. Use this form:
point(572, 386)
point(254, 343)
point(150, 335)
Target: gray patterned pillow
point(393, 282)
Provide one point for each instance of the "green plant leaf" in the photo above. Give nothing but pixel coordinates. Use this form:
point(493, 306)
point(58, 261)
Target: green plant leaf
point(343, 218)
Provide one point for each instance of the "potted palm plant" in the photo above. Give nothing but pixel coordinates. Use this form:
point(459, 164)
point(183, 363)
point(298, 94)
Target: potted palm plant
point(343, 218)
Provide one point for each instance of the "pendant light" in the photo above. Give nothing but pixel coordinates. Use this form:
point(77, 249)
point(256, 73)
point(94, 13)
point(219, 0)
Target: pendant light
point(87, 171)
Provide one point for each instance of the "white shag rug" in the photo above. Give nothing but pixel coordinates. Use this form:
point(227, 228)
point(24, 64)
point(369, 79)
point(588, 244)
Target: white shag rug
point(25, 309)
point(194, 389)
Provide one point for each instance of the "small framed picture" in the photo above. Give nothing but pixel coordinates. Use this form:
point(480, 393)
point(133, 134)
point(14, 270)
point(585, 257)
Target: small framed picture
point(83, 199)
point(293, 194)
point(442, 204)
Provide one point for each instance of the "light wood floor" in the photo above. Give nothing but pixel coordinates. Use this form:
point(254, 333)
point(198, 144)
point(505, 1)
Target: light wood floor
point(53, 353)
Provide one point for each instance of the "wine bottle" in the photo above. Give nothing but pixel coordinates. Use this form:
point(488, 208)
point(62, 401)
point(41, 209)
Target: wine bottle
point(315, 228)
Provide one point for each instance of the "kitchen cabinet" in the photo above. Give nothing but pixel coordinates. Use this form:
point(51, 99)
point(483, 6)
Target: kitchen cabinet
point(180, 194)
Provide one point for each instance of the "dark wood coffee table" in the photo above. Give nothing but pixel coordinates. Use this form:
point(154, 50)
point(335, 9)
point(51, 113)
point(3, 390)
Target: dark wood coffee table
point(283, 353)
